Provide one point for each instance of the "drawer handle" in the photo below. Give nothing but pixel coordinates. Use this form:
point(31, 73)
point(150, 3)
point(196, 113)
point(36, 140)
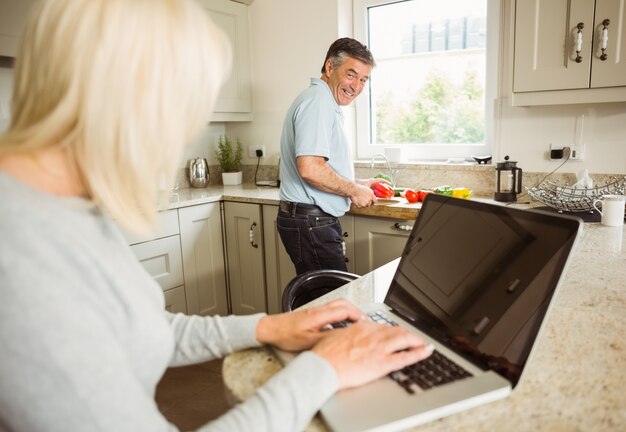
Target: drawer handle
point(579, 41)
point(605, 38)
point(402, 227)
point(251, 233)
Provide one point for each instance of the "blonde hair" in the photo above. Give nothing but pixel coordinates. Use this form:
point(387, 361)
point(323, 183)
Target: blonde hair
point(123, 86)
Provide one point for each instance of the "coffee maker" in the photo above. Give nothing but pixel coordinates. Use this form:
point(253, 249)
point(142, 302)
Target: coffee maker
point(508, 181)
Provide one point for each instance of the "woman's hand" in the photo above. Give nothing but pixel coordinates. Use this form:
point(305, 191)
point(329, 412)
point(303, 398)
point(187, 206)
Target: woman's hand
point(303, 328)
point(366, 351)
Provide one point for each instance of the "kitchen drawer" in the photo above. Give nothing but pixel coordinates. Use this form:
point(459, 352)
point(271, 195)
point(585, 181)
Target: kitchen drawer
point(175, 300)
point(163, 260)
point(168, 226)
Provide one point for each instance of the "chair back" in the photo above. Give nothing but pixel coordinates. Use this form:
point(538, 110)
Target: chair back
point(313, 284)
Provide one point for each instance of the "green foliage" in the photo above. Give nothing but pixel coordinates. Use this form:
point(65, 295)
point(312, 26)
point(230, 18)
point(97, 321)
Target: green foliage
point(440, 112)
point(229, 157)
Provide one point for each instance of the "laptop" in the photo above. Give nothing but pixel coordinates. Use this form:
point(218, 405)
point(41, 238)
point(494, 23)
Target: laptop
point(476, 280)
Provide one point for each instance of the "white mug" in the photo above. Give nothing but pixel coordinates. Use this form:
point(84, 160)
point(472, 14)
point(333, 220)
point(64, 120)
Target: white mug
point(612, 209)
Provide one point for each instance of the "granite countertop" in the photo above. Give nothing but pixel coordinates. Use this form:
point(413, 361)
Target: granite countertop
point(573, 380)
point(399, 209)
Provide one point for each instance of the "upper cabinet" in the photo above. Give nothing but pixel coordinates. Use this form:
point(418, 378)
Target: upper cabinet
point(568, 51)
point(12, 16)
point(235, 100)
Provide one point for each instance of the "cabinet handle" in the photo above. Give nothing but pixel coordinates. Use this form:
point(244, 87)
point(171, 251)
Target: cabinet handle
point(251, 232)
point(579, 41)
point(402, 227)
point(605, 38)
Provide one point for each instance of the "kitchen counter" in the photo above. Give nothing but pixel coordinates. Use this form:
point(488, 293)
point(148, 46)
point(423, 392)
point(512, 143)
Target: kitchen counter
point(268, 195)
point(573, 380)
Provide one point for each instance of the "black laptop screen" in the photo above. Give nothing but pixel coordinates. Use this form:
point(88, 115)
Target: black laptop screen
point(479, 277)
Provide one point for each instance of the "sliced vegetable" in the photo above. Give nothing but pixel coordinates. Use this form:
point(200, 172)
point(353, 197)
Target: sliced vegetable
point(382, 190)
point(444, 190)
point(411, 196)
point(399, 192)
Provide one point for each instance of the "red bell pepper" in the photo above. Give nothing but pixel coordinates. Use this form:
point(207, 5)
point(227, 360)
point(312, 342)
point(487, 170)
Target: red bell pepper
point(382, 190)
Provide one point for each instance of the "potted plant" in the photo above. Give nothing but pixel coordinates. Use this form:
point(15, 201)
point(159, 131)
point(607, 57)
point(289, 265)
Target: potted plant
point(229, 158)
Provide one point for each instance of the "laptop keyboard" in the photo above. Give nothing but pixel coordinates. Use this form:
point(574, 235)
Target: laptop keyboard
point(434, 371)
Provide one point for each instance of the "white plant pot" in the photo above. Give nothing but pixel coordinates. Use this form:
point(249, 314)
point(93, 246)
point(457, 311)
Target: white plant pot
point(232, 178)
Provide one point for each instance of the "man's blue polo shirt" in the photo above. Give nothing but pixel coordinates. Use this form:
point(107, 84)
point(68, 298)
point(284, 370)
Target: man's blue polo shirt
point(314, 127)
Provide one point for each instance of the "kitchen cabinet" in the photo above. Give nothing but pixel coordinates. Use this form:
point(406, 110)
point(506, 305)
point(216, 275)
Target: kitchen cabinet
point(185, 255)
point(547, 69)
point(203, 259)
point(378, 241)
point(245, 256)
point(279, 270)
point(13, 14)
point(161, 256)
point(234, 102)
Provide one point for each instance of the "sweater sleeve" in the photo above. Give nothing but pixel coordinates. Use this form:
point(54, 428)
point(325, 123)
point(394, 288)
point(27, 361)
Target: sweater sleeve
point(287, 402)
point(199, 339)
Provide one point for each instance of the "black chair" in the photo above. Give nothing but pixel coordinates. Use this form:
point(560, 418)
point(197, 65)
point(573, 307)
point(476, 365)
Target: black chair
point(313, 284)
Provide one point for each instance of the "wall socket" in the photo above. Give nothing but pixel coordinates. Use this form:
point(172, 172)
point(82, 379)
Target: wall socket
point(558, 152)
point(252, 151)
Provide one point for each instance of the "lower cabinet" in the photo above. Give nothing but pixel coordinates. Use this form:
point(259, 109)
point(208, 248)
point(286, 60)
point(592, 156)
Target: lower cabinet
point(186, 257)
point(378, 241)
point(203, 259)
point(162, 259)
point(245, 256)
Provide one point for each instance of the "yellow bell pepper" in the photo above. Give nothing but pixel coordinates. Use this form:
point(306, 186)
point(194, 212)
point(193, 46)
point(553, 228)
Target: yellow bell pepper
point(464, 193)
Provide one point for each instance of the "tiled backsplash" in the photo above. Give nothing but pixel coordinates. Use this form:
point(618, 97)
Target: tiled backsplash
point(481, 179)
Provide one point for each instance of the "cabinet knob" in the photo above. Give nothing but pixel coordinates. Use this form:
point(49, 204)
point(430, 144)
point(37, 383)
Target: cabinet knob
point(605, 38)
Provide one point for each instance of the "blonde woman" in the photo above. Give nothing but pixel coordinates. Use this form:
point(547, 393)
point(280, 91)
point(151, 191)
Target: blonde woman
point(107, 93)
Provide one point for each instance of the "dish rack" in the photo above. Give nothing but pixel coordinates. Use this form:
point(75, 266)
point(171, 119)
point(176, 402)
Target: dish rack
point(565, 198)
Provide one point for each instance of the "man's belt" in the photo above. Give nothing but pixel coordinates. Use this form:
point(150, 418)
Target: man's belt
point(302, 209)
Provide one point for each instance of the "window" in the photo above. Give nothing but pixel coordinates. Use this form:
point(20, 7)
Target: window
point(432, 91)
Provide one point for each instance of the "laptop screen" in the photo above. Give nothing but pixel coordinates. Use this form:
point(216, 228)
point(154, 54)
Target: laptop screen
point(479, 277)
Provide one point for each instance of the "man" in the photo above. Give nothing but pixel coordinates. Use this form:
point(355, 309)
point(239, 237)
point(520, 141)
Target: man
point(317, 173)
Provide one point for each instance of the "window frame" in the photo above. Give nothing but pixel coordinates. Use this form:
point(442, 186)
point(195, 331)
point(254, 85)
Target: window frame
point(433, 152)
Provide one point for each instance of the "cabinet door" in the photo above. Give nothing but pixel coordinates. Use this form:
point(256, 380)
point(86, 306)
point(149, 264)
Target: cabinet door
point(279, 270)
point(232, 18)
point(244, 249)
point(610, 72)
point(12, 16)
point(545, 45)
point(203, 259)
point(378, 241)
point(162, 259)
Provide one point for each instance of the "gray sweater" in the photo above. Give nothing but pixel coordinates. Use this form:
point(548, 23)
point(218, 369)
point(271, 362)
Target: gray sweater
point(84, 337)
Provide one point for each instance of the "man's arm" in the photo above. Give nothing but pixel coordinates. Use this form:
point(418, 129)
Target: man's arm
point(316, 172)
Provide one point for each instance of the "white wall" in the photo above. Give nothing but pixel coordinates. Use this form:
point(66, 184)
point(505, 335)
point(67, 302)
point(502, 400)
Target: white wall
point(289, 39)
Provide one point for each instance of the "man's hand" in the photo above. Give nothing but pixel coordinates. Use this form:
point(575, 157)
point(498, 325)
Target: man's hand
point(366, 351)
point(362, 196)
point(302, 328)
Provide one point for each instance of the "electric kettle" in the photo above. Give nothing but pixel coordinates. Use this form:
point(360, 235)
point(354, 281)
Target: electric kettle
point(198, 172)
